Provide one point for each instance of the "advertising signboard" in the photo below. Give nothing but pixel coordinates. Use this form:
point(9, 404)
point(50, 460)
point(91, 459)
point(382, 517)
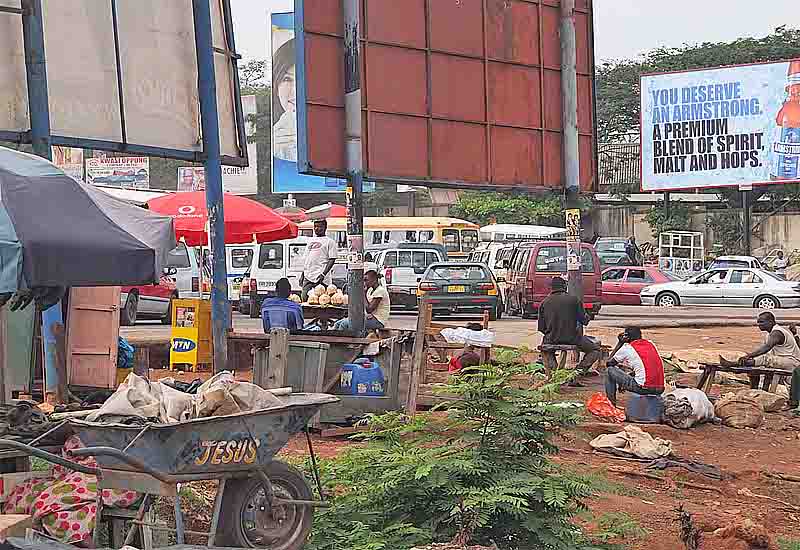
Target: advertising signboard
point(455, 93)
point(728, 126)
point(70, 160)
point(285, 176)
point(125, 172)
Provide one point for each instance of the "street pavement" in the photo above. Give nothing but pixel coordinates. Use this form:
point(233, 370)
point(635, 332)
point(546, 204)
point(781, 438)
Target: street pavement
point(513, 331)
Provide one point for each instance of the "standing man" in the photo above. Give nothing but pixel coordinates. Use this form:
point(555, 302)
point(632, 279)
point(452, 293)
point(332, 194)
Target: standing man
point(780, 264)
point(561, 318)
point(640, 356)
point(321, 254)
point(632, 250)
point(378, 304)
point(780, 351)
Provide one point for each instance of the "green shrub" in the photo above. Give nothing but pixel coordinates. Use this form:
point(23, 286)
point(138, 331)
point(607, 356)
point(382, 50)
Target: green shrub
point(479, 473)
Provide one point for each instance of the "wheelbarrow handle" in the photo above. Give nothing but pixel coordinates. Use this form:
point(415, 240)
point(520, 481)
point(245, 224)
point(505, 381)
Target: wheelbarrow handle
point(127, 459)
point(49, 457)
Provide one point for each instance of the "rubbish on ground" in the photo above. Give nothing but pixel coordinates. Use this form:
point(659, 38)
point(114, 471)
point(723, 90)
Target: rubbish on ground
point(462, 335)
point(770, 402)
point(739, 412)
point(600, 406)
point(753, 534)
point(633, 441)
point(687, 407)
point(709, 470)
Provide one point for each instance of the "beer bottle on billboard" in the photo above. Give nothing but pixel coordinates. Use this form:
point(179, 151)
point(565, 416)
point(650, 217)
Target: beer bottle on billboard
point(786, 151)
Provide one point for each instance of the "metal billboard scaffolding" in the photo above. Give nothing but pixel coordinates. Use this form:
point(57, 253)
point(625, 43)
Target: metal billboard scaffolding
point(145, 77)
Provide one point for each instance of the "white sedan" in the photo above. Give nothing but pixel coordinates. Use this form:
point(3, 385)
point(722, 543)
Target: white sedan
point(738, 286)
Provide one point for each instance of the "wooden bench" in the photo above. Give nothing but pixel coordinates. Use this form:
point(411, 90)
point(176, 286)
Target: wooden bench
point(768, 379)
point(549, 351)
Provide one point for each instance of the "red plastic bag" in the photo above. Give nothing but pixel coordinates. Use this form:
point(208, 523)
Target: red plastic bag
point(599, 405)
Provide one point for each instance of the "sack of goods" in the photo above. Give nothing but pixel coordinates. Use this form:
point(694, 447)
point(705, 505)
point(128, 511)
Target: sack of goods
point(739, 412)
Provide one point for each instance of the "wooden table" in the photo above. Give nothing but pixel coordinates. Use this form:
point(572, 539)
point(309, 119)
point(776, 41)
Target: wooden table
point(771, 377)
point(324, 314)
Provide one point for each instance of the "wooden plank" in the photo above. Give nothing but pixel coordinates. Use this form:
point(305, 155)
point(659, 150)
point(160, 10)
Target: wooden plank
point(134, 481)
point(341, 432)
point(278, 358)
point(418, 356)
point(14, 525)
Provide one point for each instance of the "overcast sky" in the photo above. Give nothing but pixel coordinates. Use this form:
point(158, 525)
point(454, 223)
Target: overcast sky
point(623, 28)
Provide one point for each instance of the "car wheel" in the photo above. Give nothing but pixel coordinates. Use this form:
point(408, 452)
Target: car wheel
point(167, 318)
point(667, 299)
point(127, 317)
point(254, 309)
point(247, 520)
point(766, 302)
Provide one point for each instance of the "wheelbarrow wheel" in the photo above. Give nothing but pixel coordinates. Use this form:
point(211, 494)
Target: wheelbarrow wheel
point(247, 520)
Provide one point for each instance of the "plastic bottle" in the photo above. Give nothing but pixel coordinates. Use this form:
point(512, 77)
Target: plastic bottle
point(786, 151)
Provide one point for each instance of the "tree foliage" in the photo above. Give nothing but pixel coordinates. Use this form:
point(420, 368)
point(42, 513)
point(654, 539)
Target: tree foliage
point(481, 474)
point(677, 220)
point(484, 208)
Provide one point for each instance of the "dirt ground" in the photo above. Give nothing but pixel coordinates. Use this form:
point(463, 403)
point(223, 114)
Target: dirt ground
point(745, 456)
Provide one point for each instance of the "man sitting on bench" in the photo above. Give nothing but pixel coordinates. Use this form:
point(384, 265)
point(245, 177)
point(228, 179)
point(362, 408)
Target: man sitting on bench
point(779, 351)
point(561, 318)
point(640, 356)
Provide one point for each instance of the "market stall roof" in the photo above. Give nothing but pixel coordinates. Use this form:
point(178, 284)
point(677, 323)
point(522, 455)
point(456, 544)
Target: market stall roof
point(245, 219)
point(56, 231)
point(139, 197)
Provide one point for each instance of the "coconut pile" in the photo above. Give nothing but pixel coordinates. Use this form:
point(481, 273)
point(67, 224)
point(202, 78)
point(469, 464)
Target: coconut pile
point(321, 295)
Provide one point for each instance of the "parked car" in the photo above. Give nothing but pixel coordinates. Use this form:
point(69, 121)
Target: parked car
point(461, 287)
point(611, 251)
point(534, 265)
point(238, 260)
point(271, 262)
point(736, 261)
point(186, 271)
point(149, 301)
point(497, 257)
point(622, 285)
point(743, 287)
point(402, 267)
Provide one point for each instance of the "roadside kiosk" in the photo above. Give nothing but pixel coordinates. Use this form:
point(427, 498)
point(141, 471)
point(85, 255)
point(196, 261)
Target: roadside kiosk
point(190, 340)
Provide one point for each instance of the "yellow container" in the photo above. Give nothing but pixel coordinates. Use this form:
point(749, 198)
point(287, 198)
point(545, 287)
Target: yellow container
point(122, 374)
point(190, 342)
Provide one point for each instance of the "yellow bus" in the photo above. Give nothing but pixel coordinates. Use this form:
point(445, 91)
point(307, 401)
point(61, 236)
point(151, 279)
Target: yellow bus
point(459, 237)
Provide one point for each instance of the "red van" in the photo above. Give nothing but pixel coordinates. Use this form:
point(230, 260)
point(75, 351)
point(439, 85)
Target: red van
point(534, 264)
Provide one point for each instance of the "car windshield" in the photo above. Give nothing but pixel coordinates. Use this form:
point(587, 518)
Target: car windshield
point(178, 257)
point(610, 246)
point(459, 272)
point(241, 258)
point(730, 263)
point(270, 256)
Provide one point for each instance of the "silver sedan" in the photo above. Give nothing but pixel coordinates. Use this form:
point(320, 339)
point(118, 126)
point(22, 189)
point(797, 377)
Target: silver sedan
point(742, 287)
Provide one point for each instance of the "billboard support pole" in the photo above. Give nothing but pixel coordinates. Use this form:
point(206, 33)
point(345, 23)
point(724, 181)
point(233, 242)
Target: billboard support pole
point(209, 116)
point(747, 224)
point(569, 108)
point(355, 165)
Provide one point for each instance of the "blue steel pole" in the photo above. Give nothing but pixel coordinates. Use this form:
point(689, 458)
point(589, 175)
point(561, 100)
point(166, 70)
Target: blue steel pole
point(209, 116)
point(39, 108)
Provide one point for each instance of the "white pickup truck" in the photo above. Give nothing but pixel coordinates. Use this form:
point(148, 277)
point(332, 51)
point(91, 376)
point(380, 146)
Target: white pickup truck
point(402, 267)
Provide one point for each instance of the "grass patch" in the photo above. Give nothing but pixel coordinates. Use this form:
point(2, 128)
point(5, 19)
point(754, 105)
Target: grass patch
point(787, 544)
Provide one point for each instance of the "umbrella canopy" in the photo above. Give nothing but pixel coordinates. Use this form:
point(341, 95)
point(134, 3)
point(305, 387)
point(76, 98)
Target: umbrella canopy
point(58, 232)
point(327, 210)
point(292, 213)
point(245, 219)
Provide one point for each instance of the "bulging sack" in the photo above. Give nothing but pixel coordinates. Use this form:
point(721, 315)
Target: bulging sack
point(739, 412)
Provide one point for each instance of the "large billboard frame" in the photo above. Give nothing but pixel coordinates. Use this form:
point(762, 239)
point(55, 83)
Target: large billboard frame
point(306, 166)
point(652, 188)
point(138, 149)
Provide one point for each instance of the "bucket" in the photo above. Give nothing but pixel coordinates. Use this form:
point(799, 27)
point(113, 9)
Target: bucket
point(644, 409)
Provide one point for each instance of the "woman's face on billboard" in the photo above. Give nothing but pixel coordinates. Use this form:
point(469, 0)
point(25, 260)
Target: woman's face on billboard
point(286, 91)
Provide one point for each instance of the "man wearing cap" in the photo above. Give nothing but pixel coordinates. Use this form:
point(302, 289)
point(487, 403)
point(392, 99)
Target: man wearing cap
point(378, 304)
point(321, 254)
point(561, 319)
point(639, 356)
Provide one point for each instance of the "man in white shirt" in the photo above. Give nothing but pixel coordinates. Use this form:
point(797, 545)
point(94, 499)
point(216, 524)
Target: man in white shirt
point(780, 264)
point(321, 254)
point(378, 304)
point(640, 356)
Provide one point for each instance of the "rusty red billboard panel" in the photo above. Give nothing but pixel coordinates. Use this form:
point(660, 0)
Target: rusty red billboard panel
point(454, 92)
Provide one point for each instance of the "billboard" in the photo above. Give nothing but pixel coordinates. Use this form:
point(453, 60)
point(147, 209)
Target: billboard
point(462, 93)
point(285, 176)
point(236, 180)
point(125, 172)
point(729, 126)
point(70, 160)
point(105, 91)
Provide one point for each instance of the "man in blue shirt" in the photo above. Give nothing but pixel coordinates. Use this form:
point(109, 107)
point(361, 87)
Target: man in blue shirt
point(280, 312)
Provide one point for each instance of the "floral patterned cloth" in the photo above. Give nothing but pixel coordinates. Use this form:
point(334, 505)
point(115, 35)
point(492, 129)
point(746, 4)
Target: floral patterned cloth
point(65, 506)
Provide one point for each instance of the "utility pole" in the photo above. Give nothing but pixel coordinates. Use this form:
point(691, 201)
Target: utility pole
point(209, 117)
point(569, 109)
point(355, 165)
point(747, 223)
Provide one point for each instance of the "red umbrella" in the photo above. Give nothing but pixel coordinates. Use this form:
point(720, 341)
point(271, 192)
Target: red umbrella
point(244, 219)
point(292, 213)
point(328, 210)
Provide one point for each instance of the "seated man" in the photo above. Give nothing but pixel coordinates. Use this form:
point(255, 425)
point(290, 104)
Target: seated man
point(639, 355)
point(561, 320)
point(280, 312)
point(780, 351)
point(378, 304)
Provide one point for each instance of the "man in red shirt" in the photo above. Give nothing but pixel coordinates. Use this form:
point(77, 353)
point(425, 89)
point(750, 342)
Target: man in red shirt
point(640, 356)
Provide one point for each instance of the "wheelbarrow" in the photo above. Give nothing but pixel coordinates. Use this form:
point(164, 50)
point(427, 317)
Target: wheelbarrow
point(260, 502)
